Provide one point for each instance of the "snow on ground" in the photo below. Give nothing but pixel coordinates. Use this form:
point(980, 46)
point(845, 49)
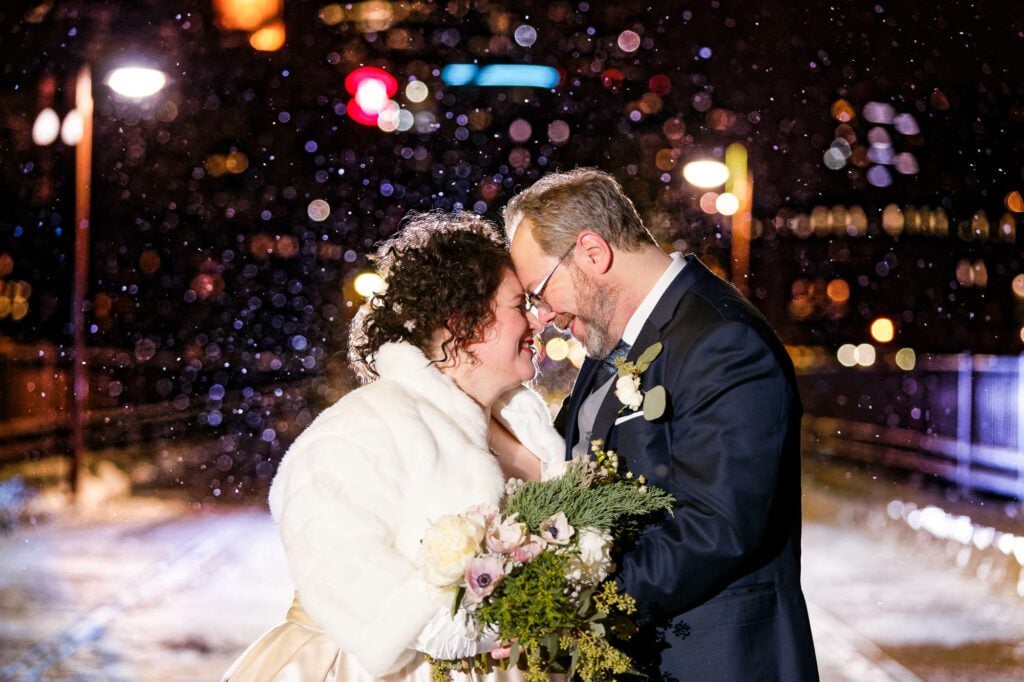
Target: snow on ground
point(141, 589)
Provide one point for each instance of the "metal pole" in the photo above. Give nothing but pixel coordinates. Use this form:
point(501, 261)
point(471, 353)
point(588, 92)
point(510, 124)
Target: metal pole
point(80, 281)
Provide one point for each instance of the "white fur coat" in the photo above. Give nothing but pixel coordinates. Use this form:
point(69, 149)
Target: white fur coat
point(355, 492)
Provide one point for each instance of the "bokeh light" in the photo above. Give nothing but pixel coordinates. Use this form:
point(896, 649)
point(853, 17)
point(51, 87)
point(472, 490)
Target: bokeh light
point(46, 127)
point(368, 283)
point(136, 82)
point(727, 203)
point(864, 354)
point(416, 91)
point(268, 38)
point(705, 173)
point(883, 330)
point(73, 128)
point(847, 355)
point(577, 353)
point(318, 210)
point(1018, 286)
point(708, 202)
point(628, 41)
point(557, 348)
point(906, 359)
point(838, 291)
point(525, 35)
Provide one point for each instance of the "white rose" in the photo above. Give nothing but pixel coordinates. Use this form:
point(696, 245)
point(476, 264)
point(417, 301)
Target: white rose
point(595, 560)
point(627, 390)
point(447, 547)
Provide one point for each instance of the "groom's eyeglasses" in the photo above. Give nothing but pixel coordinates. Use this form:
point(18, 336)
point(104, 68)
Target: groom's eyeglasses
point(534, 303)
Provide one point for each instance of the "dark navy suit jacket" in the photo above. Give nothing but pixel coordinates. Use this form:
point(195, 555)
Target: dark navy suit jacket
point(718, 583)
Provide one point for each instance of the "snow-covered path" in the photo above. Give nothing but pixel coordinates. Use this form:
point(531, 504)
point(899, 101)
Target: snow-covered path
point(154, 590)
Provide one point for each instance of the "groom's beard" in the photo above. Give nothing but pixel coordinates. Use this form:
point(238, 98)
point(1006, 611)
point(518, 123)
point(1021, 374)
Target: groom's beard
point(595, 307)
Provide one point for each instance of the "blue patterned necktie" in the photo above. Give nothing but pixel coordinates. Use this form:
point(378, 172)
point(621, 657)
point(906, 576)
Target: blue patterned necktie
point(607, 369)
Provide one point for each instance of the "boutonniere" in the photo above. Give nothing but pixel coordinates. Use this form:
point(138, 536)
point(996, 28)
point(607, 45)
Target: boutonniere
point(627, 386)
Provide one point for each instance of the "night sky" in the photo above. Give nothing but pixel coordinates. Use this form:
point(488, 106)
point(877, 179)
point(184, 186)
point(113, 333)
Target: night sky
point(217, 266)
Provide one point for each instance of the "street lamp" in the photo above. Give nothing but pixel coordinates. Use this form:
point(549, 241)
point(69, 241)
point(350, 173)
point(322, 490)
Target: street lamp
point(134, 83)
point(736, 202)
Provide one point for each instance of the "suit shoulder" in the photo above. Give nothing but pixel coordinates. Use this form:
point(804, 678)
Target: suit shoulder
point(712, 301)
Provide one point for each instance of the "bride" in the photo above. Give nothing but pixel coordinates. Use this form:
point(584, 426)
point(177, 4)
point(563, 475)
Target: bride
point(442, 422)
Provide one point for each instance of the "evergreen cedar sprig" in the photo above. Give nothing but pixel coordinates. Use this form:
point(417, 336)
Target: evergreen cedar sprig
point(615, 506)
point(561, 627)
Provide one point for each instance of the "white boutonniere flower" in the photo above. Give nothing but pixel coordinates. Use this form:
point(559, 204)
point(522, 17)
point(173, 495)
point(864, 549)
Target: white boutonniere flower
point(627, 386)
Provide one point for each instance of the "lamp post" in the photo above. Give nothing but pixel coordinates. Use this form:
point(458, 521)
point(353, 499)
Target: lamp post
point(740, 185)
point(135, 83)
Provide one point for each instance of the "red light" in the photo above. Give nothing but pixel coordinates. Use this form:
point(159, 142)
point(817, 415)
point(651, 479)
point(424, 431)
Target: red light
point(371, 88)
point(612, 79)
point(660, 85)
point(354, 79)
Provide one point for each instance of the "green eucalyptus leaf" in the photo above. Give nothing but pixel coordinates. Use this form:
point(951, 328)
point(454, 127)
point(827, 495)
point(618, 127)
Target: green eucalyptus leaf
point(648, 356)
point(575, 658)
point(655, 400)
point(513, 656)
point(584, 602)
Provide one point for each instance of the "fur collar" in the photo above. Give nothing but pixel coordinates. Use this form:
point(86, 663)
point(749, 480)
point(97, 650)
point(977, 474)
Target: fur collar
point(406, 364)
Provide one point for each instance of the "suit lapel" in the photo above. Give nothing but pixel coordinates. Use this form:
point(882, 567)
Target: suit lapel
point(650, 333)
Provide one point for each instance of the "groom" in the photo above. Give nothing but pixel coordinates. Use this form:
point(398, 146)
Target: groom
point(718, 584)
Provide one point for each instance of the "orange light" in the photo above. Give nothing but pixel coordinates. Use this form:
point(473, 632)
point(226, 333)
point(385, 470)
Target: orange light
point(838, 291)
point(269, 38)
point(882, 330)
point(246, 15)
point(842, 111)
point(1015, 202)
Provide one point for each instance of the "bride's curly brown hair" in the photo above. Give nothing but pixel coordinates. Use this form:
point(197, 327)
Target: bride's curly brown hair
point(441, 270)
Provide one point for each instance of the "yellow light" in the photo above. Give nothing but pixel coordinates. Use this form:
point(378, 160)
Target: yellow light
point(269, 38)
point(882, 330)
point(846, 355)
point(368, 283)
point(576, 353)
point(705, 174)
point(727, 204)
point(864, 354)
point(557, 348)
point(906, 359)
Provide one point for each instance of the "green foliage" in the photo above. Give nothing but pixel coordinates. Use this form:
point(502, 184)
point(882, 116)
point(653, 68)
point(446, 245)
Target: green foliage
point(613, 507)
point(531, 603)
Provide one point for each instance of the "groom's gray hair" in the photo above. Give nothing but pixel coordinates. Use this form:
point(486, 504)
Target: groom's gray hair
point(561, 205)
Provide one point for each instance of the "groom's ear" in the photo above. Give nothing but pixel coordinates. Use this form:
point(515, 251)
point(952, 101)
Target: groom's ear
point(595, 253)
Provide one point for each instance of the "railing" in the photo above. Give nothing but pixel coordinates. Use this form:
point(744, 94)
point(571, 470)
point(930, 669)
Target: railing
point(957, 418)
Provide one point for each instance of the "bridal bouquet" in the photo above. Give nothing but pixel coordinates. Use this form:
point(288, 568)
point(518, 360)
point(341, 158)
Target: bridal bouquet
point(536, 570)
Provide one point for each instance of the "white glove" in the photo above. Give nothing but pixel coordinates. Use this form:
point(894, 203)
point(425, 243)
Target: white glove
point(446, 638)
